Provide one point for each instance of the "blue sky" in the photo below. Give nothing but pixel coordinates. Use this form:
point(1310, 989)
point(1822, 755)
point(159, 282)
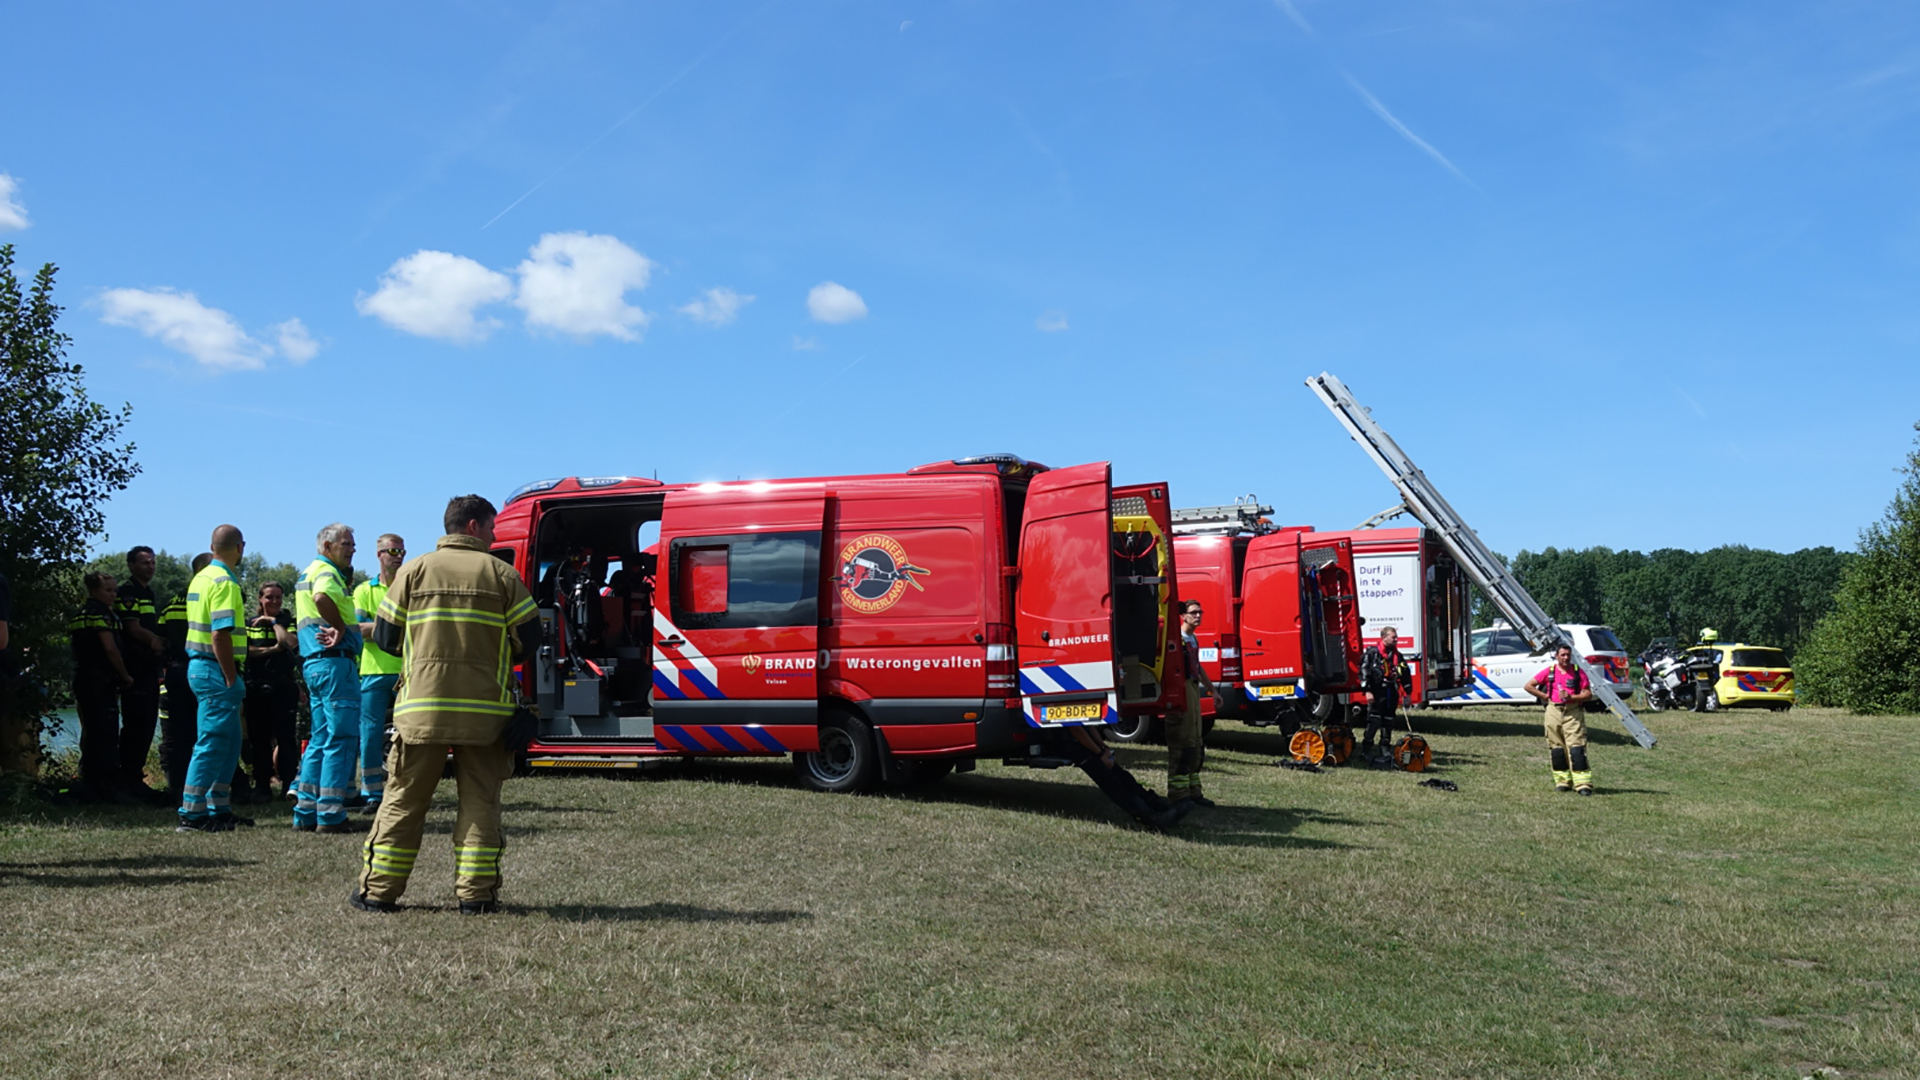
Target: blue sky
point(382, 254)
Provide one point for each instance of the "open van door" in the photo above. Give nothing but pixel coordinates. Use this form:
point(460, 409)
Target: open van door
point(1272, 652)
point(1063, 607)
point(1146, 631)
point(736, 628)
point(1331, 601)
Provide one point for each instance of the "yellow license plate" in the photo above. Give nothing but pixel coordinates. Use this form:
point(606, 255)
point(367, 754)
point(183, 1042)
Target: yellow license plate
point(1276, 690)
point(1092, 710)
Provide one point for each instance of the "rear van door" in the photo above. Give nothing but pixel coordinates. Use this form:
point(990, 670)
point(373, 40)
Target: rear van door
point(1333, 602)
point(1063, 600)
point(1299, 616)
point(1145, 591)
point(736, 634)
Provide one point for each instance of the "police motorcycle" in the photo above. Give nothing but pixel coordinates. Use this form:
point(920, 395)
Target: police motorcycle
point(1674, 679)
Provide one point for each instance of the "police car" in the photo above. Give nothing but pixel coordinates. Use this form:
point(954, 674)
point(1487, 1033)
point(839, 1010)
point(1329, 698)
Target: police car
point(1503, 662)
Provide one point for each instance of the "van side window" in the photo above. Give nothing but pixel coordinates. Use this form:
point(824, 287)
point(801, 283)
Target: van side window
point(701, 581)
point(744, 581)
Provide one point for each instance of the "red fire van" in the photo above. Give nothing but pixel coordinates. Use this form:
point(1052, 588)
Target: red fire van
point(875, 627)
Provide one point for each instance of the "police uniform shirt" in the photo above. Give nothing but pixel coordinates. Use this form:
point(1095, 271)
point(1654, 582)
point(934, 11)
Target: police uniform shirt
point(173, 630)
point(274, 668)
point(133, 603)
point(90, 663)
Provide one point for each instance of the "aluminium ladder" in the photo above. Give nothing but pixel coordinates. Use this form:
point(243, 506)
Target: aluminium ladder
point(1425, 502)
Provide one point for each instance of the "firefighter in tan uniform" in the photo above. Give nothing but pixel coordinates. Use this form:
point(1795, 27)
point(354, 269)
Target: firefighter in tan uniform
point(450, 616)
point(1565, 691)
point(1186, 732)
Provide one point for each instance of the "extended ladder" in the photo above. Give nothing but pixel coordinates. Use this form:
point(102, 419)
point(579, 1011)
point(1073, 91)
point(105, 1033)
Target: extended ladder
point(1241, 515)
point(1426, 503)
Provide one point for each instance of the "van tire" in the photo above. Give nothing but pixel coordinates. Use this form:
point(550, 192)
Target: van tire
point(848, 760)
point(1320, 707)
point(1136, 729)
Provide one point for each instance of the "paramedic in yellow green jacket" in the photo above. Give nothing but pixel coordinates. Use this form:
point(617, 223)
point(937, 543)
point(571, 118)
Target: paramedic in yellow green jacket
point(379, 671)
point(330, 660)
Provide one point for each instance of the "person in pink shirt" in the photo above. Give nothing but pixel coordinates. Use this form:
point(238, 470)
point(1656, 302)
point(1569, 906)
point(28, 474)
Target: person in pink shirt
point(1565, 690)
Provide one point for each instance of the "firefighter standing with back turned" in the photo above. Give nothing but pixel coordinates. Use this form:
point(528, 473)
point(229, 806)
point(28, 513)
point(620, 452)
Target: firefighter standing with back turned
point(451, 616)
point(1565, 690)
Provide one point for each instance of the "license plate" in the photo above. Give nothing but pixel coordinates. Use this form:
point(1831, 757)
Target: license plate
point(1276, 690)
point(1092, 710)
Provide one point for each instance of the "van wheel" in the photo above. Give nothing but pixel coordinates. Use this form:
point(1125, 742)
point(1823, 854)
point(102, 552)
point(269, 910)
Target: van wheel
point(1136, 729)
point(1321, 706)
point(847, 760)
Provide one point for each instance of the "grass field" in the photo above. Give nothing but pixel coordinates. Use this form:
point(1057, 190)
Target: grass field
point(1740, 901)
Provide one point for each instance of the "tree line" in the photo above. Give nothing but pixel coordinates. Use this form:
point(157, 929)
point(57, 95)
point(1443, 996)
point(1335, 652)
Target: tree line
point(1746, 594)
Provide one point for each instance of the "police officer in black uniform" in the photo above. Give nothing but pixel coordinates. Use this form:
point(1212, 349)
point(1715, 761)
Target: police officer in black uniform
point(99, 675)
point(145, 653)
point(272, 695)
point(182, 722)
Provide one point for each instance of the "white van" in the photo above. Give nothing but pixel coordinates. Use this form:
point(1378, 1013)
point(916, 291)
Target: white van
point(1503, 662)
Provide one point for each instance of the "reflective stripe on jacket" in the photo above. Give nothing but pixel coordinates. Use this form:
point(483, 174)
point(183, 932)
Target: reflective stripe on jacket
point(214, 603)
point(453, 608)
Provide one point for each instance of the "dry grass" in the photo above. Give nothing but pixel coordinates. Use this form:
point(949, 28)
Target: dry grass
point(1738, 902)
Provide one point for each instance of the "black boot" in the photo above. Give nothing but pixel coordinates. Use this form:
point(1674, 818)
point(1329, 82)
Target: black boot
point(1160, 820)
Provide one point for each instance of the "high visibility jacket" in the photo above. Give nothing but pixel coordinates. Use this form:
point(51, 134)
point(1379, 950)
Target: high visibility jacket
point(450, 613)
point(173, 628)
point(374, 660)
point(90, 662)
point(214, 603)
point(322, 578)
point(133, 603)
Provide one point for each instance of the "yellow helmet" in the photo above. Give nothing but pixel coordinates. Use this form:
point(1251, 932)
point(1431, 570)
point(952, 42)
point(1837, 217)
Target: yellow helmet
point(1709, 635)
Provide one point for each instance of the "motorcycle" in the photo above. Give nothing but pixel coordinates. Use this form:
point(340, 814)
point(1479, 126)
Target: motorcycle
point(1673, 679)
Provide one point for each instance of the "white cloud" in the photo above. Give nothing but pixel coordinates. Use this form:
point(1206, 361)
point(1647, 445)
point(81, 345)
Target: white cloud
point(12, 214)
point(831, 302)
point(805, 344)
point(1051, 322)
point(577, 284)
point(716, 307)
point(434, 294)
point(296, 343)
point(181, 322)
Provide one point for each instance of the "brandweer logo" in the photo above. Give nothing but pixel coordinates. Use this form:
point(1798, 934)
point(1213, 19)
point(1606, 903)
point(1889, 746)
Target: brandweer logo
point(875, 573)
point(753, 662)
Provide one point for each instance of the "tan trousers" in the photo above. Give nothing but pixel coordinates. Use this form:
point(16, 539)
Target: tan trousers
point(1186, 750)
point(413, 772)
point(1566, 726)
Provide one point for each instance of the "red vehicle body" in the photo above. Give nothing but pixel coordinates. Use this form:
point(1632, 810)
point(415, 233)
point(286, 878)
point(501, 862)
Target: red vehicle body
point(1407, 580)
point(875, 627)
point(1281, 625)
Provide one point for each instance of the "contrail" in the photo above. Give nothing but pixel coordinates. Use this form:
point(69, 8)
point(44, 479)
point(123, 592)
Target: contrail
point(617, 124)
point(1405, 131)
point(1286, 7)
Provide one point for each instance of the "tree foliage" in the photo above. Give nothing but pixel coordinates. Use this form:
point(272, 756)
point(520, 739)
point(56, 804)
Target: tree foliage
point(60, 459)
point(1747, 594)
point(1862, 654)
point(172, 572)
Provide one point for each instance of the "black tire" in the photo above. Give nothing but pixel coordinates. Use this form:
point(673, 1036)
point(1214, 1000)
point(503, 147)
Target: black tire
point(1320, 707)
point(847, 761)
point(1136, 729)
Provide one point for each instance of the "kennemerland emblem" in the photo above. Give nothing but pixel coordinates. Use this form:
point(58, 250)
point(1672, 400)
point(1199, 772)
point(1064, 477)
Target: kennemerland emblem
point(751, 662)
point(875, 573)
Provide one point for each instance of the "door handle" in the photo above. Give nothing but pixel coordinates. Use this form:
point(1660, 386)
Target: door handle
point(675, 640)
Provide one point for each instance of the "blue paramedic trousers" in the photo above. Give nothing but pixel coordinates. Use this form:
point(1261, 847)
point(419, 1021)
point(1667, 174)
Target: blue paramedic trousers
point(376, 708)
point(333, 741)
point(206, 790)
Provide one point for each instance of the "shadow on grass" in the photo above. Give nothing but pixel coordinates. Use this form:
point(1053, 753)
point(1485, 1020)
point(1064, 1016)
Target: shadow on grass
point(1601, 727)
point(121, 871)
point(1257, 826)
point(1599, 791)
point(663, 912)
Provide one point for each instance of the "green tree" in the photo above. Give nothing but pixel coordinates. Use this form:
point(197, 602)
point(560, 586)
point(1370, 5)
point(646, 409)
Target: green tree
point(1861, 653)
point(60, 459)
